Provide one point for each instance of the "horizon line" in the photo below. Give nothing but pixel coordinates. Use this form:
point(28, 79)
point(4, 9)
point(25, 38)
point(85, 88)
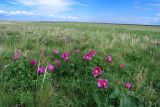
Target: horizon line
point(112, 23)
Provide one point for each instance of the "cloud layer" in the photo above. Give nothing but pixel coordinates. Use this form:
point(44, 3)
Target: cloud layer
point(48, 7)
point(105, 11)
point(17, 12)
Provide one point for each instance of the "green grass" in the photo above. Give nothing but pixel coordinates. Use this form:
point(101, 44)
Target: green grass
point(138, 47)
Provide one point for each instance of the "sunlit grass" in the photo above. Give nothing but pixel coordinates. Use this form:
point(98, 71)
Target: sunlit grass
point(135, 46)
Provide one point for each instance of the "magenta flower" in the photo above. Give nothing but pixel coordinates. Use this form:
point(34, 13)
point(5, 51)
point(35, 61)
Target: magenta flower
point(16, 55)
point(128, 85)
point(66, 59)
point(56, 51)
point(121, 66)
point(65, 54)
point(87, 57)
point(51, 67)
point(41, 70)
point(92, 52)
point(102, 83)
point(58, 63)
point(97, 71)
point(33, 62)
point(77, 51)
point(109, 59)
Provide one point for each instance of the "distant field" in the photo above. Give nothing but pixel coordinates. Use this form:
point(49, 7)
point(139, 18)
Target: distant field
point(72, 84)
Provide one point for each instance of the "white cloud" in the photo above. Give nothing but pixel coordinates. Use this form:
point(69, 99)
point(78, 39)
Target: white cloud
point(3, 12)
point(49, 9)
point(28, 13)
point(42, 7)
point(20, 12)
point(17, 12)
point(65, 17)
point(69, 17)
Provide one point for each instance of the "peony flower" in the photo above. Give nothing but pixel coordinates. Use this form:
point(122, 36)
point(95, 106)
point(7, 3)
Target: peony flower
point(109, 59)
point(97, 71)
point(33, 62)
point(102, 83)
point(66, 59)
point(41, 70)
point(121, 66)
point(87, 57)
point(92, 52)
point(51, 67)
point(56, 51)
point(77, 51)
point(58, 63)
point(128, 85)
point(65, 54)
point(16, 55)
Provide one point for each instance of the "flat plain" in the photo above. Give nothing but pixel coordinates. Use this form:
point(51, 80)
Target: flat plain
point(135, 52)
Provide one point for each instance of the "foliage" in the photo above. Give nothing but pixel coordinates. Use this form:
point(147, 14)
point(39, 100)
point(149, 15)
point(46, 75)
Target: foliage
point(73, 83)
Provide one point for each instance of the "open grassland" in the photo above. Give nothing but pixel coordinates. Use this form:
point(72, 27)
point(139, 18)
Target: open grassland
point(72, 83)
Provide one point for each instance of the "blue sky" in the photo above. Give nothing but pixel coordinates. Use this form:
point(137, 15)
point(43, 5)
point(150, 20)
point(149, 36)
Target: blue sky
point(107, 11)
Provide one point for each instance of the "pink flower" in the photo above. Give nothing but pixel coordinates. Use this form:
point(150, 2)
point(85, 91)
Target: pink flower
point(58, 63)
point(77, 51)
point(56, 51)
point(92, 52)
point(87, 57)
point(128, 85)
point(97, 71)
point(102, 83)
point(109, 59)
point(51, 67)
point(33, 62)
point(121, 66)
point(66, 59)
point(41, 70)
point(65, 54)
point(16, 55)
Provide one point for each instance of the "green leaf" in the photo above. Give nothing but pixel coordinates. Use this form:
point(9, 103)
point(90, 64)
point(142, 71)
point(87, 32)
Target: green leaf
point(97, 99)
point(117, 92)
point(112, 96)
